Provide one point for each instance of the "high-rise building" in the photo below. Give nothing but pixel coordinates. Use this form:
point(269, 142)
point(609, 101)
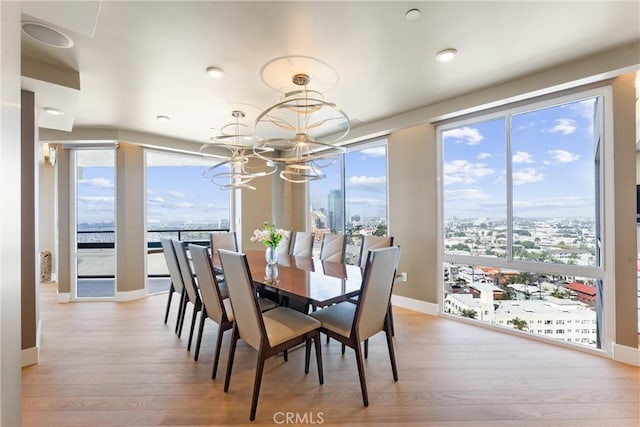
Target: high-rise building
point(336, 210)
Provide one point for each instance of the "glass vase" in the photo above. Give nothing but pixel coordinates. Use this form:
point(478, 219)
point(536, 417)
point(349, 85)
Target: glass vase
point(271, 256)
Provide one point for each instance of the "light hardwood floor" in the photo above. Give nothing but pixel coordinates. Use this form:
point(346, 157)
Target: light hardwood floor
point(117, 364)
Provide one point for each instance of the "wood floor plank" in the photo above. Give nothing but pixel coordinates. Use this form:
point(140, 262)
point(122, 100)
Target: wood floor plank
point(108, 364)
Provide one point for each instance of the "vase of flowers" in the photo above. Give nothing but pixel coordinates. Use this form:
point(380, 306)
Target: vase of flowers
point(270, 236)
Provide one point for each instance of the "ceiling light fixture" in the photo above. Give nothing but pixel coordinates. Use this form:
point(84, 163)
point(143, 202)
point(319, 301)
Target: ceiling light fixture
point(215, 72)
point(446, 55)
point(52, 111)
point(301, 132)
point(162, 118)
point(412, 14)
point(47, 35)
point(239, 140)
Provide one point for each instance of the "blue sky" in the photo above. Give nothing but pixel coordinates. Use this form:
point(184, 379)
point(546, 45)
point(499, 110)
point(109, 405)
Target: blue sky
point(365, 182)
point(552, 153)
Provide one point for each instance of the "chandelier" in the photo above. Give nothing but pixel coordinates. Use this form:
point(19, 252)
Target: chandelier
point(300, 133)
point(236, 172)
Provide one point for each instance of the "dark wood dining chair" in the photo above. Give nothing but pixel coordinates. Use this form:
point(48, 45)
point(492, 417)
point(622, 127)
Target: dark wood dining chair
point(333, 247)
point(193, 294)
point(269, 333)
point(352, 324)
point(302, 244)
point(177, 285)
point(215, 307)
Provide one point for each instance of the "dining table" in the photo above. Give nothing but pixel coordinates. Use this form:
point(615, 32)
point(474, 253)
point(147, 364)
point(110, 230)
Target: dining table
point(311, 281)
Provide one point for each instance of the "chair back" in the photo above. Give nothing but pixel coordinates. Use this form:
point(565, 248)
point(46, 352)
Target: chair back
point(373, 242)
point(284, 246)
point(302, 244)
point(242, 294)
point(373, 304)
point(333, 246)
point(172, 264)
point(209, 289)
point(223, 240)
point(185, 271)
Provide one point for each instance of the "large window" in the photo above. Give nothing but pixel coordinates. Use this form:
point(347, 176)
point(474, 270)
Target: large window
point(520, 217)
point(352, 198)
point(182, 204)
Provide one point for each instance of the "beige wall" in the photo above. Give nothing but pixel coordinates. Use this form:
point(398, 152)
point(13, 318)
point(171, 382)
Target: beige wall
point(29, 264)
point(413, 209)
point(10, 242)
point(256, 208)
point(130, 219)
point(47, 202)
point(624, 176)
point(64, 227)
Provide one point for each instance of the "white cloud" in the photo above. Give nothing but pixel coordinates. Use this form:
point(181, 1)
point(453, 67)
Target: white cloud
point(96, 199)
point(522, 157)
point(375, 151)
point(183, 205)
point(368, 183)
point(465, 194)
point(527, 176)
point(97, 182)
point(367, 202)
point(563, 156)
point(157, 199)
point(554, 203)
point(470, 136)
point(177, 194)
point(464, 171)
point(483, 156)
point(564, 126)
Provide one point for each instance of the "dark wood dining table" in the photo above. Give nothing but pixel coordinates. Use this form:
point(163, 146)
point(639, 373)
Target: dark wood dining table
point(310, 280)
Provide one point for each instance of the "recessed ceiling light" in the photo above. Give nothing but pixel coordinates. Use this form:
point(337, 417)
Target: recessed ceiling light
point(163, 118)
point(46, 34)
point(412, 14)
point(446, 55)
point(52, 111)
point(215, 72)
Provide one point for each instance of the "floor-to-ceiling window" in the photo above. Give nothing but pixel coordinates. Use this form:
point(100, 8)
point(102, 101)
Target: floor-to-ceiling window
point(94, 189)
point(352, 198)
point(521, 232)
point(182, 203)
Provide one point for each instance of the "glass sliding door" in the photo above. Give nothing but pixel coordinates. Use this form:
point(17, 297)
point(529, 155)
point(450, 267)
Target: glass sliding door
point(94, 200)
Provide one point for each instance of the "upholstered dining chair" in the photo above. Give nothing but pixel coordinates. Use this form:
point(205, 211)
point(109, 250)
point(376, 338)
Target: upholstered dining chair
point(373, 242)
point(269, 333)
point(302, 244)
point(176, 282)
point(284, 246)
point(223, 240)
point(333, 246)
point(215, 307)
point(193, 294)
point(353, 323)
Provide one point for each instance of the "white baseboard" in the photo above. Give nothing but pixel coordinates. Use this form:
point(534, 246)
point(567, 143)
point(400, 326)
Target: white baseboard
point(30, 356)
point(624, 354)
point(64, 297)
point(415, 305)
point(131, 295)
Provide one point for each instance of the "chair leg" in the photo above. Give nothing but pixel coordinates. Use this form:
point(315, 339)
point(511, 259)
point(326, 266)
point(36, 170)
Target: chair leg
point(216, 356)
point(196, 309)
point(181, 307)
point(327, 339)
point(393, 329)
point(200, 333)
point(343, 348)
point(366, 348)
point(363, 380)
point(307, 354)
point(232, 352)
point(285, 354)
point(316, 340)
point(392, 354)
point(256, 385)
point(166, 313)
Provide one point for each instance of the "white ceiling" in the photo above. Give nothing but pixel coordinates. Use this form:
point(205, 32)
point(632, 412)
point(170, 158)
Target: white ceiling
point(137, 60)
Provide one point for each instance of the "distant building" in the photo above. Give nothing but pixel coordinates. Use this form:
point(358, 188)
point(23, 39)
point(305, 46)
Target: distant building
point(585, 293)
point(335, 208)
